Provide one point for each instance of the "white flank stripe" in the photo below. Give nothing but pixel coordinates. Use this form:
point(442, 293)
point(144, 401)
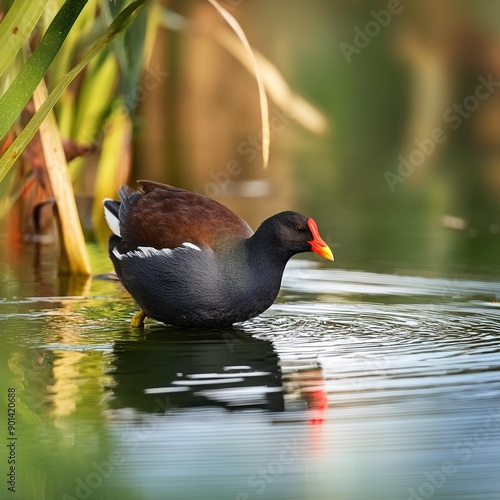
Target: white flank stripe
point(145, 252)
point(149, 252)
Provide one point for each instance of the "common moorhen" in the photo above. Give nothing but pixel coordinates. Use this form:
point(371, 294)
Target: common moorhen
point(188, 260)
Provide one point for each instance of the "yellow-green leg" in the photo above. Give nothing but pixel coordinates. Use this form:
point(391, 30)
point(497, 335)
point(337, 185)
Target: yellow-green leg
point(138, 320)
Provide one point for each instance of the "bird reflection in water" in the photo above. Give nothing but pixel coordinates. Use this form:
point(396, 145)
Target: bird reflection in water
point(173, 368)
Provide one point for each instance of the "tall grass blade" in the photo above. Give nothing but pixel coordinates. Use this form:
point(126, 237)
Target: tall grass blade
point(121, 22)
point(129, 50)
point(276, 86)
point(16, 28)
point(73, 241)
point(23, 87)
point(95, 97)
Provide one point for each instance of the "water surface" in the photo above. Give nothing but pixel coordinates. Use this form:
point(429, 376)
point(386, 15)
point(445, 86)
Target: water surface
point(354, 385)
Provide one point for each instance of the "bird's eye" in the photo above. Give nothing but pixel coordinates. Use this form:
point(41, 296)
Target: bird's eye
point(300, 229)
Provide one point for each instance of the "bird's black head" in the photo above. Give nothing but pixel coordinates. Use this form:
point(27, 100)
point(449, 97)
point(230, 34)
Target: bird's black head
point(290, 233)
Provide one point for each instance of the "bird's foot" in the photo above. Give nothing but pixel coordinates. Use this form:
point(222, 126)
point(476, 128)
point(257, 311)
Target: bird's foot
point(138, 320)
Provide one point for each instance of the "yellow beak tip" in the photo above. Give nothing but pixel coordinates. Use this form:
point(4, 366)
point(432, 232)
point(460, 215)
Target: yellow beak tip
point(324, 252)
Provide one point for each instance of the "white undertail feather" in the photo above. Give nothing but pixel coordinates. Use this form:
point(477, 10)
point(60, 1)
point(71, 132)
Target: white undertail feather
point(112, 220)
